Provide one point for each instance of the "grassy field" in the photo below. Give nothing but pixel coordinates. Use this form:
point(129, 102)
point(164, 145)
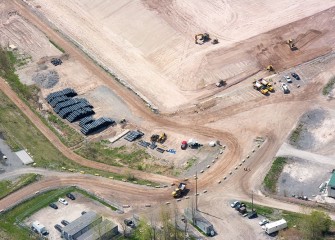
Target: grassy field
point(271, 178)
point(273, 214)
point(7, 187)
point(132, 156)
point(9, 220)
point(329, 86)
point(69, 136)
point(295, 135)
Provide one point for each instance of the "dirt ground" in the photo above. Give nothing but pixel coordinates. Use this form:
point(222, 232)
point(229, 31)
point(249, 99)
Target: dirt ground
point(50, 217)
point(312, 150)
point(167, 67)
point(128, 37)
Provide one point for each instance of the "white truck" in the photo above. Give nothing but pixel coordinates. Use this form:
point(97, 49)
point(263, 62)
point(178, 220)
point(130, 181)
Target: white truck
point(39, 228)
point(275, 226)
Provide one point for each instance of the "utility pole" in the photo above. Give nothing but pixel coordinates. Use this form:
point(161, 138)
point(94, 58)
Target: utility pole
point(196, 190)
point(252, 201)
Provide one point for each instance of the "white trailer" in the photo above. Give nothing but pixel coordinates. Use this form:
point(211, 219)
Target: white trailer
point(39, 228)
point(275, 226)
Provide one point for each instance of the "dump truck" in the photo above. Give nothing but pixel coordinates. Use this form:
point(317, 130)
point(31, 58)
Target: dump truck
point(179, 191)
point(266, 84)
point(183, 145)
point(258, 86)
point(270, 68)
point(291, 44)
point(275, 226)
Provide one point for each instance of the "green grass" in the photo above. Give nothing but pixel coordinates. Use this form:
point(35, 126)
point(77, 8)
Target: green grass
point(132, 156)
point(9, 220)
point(70, 137)
point(57, 46)
point(8, 61)
point(329, 86)
point(7, 187)
point(273, 214)
point(271, 178)
point(190, 162)
point(295, 135)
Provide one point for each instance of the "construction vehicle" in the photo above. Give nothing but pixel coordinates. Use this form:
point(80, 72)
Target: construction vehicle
point(258, 86)
point(154, 138)
point(291, 44)
point(183, 145)
point(201, 38)
point(266, 84)
point(221, 83)
point(162, 138)
point(215, 41)
point(270, 68)
point(179, 191)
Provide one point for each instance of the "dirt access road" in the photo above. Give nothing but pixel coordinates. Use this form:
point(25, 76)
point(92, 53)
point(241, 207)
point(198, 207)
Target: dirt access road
point(209, 124)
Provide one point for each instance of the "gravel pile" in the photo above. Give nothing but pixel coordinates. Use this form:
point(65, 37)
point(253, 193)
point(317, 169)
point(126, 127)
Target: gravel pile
point(46, 79)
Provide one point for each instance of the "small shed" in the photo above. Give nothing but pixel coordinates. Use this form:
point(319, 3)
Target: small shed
point(24, 157)
point(202, 223)
point(331, 186)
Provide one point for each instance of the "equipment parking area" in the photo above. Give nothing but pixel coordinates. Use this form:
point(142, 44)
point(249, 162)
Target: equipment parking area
point(49, 217)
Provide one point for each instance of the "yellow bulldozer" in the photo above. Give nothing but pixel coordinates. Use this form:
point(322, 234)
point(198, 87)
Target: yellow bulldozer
point(291, 44)
point(201, 38)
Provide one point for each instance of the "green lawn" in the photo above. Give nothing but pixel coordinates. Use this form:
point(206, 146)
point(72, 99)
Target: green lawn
point(329, 86)
point(7, 187)
point(271, 178)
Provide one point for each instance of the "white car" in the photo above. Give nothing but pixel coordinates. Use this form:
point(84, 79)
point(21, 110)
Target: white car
point(63, 201)
point(288, 79)
point(234, 204)
point(263, 222)
point(285, 88)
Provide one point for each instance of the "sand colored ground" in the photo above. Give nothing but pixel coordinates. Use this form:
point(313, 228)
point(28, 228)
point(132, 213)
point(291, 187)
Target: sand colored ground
point(150, 44)
point(15, 30)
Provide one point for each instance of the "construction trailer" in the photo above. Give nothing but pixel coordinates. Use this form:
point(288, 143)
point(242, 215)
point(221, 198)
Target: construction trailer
point(39, 228)
point(198, 220)
point(275, 226)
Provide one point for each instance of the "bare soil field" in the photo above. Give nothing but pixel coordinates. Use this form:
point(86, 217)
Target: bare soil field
point(15, 30)
point(150, 44)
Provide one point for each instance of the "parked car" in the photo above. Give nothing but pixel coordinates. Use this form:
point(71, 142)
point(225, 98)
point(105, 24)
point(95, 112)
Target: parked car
point(285, 88)
point(129, 223)
point(63, 201)
point(296, 76)
point(83, 212)
point(288, 79)
point(263, 222)
point(58, 227)
point(252, 215)
point(71, 196)
point(53, 205)
point(64, 222)
point(234, 204)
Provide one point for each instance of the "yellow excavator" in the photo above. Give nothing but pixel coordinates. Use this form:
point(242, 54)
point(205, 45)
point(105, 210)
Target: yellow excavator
point(291, 44)
point(201, 38)
point(162, 138)
point(270, 68)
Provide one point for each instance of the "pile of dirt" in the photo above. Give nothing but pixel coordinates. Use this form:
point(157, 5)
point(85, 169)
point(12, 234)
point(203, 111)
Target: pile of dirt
point(302, 137)
point(46, 79)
